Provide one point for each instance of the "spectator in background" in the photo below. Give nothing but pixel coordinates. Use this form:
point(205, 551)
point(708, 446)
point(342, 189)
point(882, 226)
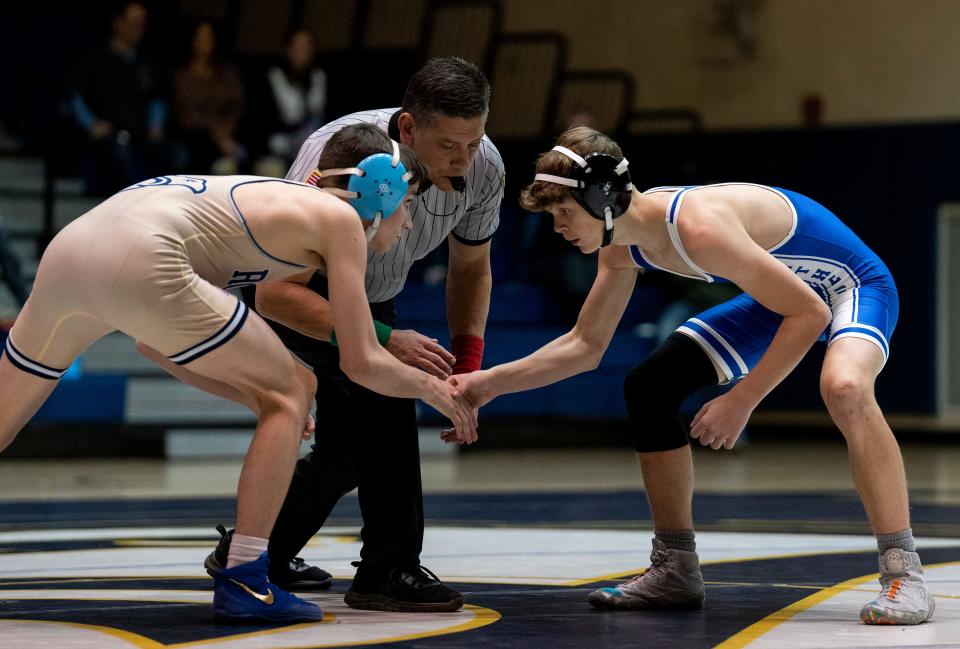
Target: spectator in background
point(207, 105)
point(298, 89)
point(118, 103)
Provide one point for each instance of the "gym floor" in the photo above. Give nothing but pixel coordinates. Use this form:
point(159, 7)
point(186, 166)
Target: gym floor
point(108, 553)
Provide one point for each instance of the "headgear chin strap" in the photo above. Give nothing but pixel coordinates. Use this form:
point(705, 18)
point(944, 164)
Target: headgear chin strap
point(378, 186)
point(600, 184)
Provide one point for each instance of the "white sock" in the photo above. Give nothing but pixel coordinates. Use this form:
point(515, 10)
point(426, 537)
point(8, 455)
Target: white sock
point(244, 549)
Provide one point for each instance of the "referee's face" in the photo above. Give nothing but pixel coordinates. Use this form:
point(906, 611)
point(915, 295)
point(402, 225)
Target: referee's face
point(446, 147)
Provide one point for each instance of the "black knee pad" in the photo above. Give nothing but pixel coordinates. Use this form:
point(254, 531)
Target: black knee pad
point(655, 389)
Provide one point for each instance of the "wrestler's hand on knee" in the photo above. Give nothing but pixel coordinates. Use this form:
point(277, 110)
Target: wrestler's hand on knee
point(720, 422)
point(417, 350)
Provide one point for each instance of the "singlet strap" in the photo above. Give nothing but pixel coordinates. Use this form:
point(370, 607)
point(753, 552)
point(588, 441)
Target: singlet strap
point(673, 213)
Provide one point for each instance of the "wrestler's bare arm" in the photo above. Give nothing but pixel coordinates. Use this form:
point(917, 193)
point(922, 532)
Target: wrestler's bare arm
point(361, 356)
point(716, 240)
point(314, 229)
point(578, 350)
point(317, 229)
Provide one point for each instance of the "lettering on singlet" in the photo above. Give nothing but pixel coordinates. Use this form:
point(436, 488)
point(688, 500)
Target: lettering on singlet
point(196, 185)
point(247, 278)
point(828, 278)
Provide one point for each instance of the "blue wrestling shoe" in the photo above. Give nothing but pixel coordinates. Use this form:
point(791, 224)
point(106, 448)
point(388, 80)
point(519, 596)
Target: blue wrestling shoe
point(244, 595)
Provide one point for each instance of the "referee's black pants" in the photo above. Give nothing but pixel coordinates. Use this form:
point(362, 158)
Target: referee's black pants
point(363, 441)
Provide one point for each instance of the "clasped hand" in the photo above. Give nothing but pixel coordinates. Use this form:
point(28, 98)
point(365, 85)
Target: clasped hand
point(473, 393)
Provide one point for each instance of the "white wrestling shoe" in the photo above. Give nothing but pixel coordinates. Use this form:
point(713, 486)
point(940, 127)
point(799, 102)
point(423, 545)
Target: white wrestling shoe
point(904, 597)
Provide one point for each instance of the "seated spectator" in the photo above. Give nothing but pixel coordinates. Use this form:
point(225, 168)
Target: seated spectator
point(207, 105)
point(118, 104)
point(298, 89)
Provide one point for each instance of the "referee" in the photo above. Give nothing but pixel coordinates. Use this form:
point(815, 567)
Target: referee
point(365, 440)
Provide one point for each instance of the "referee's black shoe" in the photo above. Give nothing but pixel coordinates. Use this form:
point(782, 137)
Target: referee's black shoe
point(296, 575)
point(413, 590)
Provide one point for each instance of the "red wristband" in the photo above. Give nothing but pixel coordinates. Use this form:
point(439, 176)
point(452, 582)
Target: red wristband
point(468, 350)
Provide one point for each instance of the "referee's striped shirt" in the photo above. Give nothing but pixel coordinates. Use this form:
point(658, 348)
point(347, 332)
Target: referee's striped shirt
point(471, 216)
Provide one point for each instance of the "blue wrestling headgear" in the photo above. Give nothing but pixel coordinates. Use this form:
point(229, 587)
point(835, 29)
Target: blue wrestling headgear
point(378, 186)
point(601, 185)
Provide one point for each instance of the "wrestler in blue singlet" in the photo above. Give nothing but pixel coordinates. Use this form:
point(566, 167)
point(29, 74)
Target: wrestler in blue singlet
point(824, 253)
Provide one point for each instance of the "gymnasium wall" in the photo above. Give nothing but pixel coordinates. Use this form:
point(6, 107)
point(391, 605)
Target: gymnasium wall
point(871, 61)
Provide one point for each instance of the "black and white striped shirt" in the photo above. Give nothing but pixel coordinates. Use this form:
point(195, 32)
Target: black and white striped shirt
point(471, 216)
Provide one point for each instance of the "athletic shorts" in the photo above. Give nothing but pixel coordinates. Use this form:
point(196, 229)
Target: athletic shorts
point(736, 333)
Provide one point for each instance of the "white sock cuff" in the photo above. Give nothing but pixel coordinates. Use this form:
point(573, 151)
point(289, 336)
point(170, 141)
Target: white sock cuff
point(244, 549)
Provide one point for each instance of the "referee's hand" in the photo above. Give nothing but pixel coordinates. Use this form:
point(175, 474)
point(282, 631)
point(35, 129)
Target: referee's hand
point(416, 350)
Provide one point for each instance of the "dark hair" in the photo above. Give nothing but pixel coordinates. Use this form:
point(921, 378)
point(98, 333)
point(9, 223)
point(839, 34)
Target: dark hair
point(351, 144)
point(450, 86)
point(539, 195)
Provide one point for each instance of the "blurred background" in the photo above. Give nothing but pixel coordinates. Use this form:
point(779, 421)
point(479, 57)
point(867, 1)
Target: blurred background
point(854, 103)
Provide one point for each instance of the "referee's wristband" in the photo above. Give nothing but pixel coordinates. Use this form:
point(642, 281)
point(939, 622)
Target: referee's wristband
point(468, 350)
point(383, 333)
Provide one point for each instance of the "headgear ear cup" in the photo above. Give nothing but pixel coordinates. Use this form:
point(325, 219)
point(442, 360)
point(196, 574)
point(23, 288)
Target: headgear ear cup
point(600, 184)
point(377, 186)
point(381, 188)
point(604, 186)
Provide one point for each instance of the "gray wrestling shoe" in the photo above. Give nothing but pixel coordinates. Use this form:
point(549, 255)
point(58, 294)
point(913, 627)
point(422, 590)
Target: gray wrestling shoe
point(904, 597)
point(673, 581)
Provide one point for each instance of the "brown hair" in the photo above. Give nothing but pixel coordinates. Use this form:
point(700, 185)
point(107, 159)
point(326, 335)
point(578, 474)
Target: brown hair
point(351, 144)
point(539, 195)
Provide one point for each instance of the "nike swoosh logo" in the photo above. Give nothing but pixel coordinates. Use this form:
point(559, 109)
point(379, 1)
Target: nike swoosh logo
point(266, 599)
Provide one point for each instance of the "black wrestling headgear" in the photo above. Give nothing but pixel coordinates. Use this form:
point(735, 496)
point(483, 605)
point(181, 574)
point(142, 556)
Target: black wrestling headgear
point(600, 184)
